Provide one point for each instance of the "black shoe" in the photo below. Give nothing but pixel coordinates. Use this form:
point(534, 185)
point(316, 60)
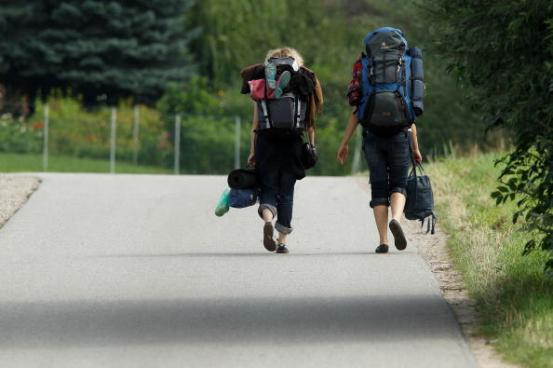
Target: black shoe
point(268, 241)
point(399, 238)
point(282, 249)
point(382, 248)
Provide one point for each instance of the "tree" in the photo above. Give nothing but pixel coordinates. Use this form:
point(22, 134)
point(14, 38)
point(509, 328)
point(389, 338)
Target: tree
point(93, 48)
point(505, 50)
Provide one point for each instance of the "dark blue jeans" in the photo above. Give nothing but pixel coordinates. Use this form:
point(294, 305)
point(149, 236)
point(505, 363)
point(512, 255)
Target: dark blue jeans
point(277, 195)
point(278, 165)
point(388, 158)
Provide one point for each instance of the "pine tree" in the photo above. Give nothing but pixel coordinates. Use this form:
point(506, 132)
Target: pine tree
point(94, 48)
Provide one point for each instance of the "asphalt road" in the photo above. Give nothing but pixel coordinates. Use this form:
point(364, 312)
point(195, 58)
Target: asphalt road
point(136, 271)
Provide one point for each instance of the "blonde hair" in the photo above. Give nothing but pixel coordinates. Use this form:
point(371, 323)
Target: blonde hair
point(285, 52)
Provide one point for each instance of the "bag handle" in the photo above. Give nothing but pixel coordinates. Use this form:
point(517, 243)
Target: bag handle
point(414, 163)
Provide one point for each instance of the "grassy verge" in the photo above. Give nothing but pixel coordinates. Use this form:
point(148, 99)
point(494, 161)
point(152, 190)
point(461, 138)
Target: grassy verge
point(33, 163)
point(513, 296)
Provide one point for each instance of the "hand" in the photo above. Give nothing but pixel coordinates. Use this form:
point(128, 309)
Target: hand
point(342, 154)
point(417, 155)
point(251, 159)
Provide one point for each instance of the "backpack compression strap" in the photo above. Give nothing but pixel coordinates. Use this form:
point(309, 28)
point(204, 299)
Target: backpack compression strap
point(297, 112)
point(265, 112)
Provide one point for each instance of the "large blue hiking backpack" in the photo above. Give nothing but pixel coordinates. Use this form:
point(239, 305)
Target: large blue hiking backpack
point(392, 81)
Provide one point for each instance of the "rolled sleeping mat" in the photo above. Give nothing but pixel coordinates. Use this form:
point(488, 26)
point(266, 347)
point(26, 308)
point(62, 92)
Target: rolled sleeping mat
point(417, 70)
point(417, 80)
point(242, 179)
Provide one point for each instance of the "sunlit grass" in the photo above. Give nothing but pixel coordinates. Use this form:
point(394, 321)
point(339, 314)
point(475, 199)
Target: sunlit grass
point(33, 163)
point(514, 297)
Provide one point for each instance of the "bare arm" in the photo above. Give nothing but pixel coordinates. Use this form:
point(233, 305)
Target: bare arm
point(415, 148)
point(348, 133)
point(311, 135)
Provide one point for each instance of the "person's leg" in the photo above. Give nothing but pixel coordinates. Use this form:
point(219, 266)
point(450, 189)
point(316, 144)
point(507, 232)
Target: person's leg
point(282, 238)
point(268, 206)
point(268, 196)
point(284, 209)
point(397, 204)
point(266, 214)
point(381, 218)
point(398, 161)
point(399, 169)
point(378, 176)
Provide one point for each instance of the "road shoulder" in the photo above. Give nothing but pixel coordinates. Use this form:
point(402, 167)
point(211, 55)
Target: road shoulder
point(433, 249)
point(15, 190)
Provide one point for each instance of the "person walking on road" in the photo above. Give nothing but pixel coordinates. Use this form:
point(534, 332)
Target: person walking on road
point(287, 96)
point(385, 104)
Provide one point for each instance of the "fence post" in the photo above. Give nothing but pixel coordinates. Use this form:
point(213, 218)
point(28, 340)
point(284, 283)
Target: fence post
point(238, 131)
point(45, 138)
point(177, 144)
point(135, 132)
point(356, 163)
point(113, 140)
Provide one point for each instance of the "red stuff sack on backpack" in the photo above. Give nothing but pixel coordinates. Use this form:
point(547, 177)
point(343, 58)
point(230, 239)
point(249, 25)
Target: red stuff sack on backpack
point(257, 89)
point(354, 86)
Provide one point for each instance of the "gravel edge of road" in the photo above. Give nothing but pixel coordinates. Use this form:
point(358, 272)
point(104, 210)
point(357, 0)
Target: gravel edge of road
point(15, 190)
point(433, 249)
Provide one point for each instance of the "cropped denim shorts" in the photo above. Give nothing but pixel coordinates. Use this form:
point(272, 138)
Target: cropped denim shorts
point(388, 158)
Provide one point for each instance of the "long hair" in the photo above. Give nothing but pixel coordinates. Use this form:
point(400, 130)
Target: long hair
point(285, 52)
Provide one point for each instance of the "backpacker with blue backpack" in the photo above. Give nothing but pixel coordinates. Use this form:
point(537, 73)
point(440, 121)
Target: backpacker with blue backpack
point(388, 85)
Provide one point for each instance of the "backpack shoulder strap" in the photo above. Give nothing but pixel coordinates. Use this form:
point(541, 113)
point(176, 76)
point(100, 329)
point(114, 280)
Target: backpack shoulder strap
point(265, 114)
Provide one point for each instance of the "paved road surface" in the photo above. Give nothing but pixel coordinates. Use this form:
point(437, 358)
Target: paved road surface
point(136, 271)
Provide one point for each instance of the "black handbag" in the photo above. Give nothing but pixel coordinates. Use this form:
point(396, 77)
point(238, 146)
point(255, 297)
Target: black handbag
point(420, 198)
point(309, 155)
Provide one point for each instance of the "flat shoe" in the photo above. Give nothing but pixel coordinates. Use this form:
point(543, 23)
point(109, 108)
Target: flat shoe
point(282, 249)
point(282, 83)
point(382, 248)
point(399, 237)
point(268, 241)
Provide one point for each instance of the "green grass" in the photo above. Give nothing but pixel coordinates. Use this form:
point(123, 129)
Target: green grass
point(513, 295)
point(10, 162)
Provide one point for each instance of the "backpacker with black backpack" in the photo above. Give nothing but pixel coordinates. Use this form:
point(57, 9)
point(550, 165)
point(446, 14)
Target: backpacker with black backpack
point(289, 111)
point(391, 82)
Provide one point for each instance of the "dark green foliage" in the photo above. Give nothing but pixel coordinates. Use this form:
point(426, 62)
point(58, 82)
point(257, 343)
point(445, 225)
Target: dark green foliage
point(329, 34)
point(102, 50)
point(20, 136)
point(108, 49)
point(208, 125)
point(505, 50)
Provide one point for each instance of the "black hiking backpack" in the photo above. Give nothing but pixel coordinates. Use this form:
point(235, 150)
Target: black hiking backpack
point(392, 81)
point(289, 111)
